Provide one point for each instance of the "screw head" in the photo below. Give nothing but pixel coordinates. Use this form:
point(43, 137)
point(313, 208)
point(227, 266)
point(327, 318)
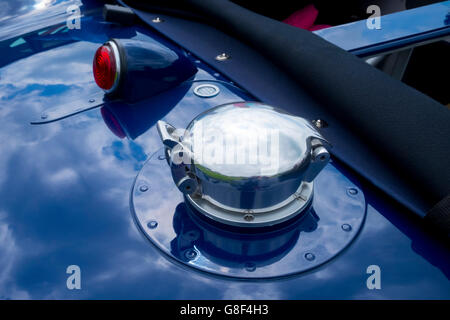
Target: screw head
point(222, 57)
point(319, 123)
point(249, 217)
point(161, 157)
point(44, 116)
point(250, 266)
point(190, 254)
point(152, 224)
point(352, 191)
point(91, 100)
point(157, 20)
point(346, 227)
point(310, 256)
point(143, 188)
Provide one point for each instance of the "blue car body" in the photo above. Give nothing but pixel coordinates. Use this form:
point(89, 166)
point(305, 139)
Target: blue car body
point(65, 186)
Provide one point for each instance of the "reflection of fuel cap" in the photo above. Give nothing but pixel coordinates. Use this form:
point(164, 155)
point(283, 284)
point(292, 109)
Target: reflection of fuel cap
point(232, 248)
point(246, 164)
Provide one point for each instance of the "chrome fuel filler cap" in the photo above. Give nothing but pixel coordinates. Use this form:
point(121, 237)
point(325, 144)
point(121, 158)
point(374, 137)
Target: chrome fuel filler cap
point(245, 164)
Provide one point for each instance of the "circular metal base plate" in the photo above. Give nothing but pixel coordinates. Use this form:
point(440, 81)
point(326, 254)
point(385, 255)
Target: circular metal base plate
point(173, 226)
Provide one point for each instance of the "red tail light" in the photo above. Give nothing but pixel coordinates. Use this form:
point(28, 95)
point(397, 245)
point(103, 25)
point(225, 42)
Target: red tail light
point(105, 67)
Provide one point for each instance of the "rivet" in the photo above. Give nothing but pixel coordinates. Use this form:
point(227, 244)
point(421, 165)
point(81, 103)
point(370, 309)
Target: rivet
point(91, 100)
point(250, 266)
point(346, 227)
point(157, 20)
point(216, 74)
point(190, 254)
point(249, 217)
point(152, 224)
point(161, 157)
point(44, 116)
point(222, 57)
point(143, 188)
point(319, 123)
point(310, 256)
point(352, 191)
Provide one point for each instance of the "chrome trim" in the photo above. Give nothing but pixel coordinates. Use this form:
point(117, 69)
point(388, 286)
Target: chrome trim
point(198, 93)
point(261, 210)
point(399, 31)
point(115, 50)
point(295, 206)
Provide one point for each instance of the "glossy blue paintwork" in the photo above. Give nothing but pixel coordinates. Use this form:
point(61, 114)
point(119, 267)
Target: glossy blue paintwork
point(401, 29)
point(64, 199)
